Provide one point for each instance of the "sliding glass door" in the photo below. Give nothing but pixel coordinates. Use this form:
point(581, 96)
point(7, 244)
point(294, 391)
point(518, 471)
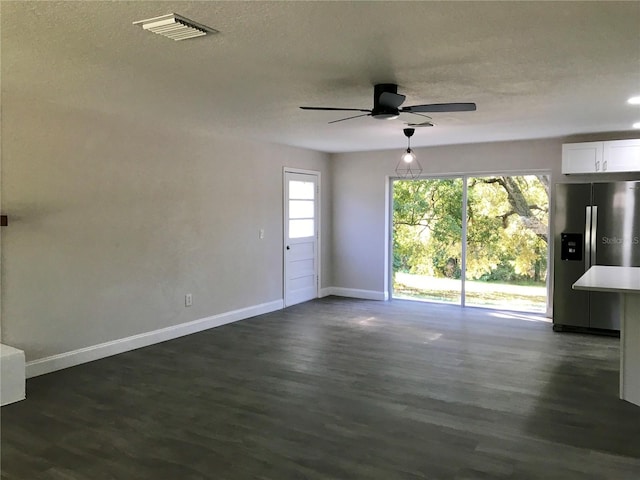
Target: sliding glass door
point(495, 255)
point(506, 245)
point(427, 239)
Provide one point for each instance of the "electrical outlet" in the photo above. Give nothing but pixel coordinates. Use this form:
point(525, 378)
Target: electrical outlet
point(188, 300)
point(261, 233)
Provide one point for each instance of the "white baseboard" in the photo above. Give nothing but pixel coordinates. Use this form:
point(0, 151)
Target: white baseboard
point(50, 364)
point(325, 292)
point(354, 293)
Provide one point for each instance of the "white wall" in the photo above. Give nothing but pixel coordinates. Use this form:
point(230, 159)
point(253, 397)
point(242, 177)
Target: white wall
point(111, 223)
point(359, 201)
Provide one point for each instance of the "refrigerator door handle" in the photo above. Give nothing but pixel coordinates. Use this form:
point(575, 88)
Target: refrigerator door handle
point(587, 239)
point(594, 233)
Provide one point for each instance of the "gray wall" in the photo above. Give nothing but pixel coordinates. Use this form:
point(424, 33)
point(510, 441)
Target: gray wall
point(111, 223)
point(360, 181)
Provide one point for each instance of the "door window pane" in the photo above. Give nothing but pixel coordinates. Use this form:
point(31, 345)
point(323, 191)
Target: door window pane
point(301, 190)
point(301, 228)
point(301, 208)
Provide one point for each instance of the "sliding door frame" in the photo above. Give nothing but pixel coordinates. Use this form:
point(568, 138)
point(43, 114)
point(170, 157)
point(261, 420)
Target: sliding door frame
point(465, 178)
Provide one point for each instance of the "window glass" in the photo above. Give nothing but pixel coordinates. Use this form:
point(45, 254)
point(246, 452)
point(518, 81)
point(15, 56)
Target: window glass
point(301, 228)
point(301, 208)
point(301, 190)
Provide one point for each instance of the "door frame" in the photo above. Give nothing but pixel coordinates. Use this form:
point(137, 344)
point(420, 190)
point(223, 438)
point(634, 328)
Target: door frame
point(465, 177)
point(318, 213)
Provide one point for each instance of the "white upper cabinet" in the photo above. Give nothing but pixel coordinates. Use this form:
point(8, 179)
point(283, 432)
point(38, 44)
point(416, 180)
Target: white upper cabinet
point(601, 157)
point(582, 157)
point(621, 156)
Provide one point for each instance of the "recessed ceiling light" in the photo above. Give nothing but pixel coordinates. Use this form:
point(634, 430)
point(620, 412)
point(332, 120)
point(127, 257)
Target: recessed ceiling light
point(634, 100)
point(636, 125)
point(174, 26)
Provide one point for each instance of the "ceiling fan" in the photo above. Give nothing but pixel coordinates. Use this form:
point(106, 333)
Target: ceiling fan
point(386, 106)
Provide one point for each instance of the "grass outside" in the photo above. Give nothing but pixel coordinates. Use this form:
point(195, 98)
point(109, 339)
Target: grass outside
point(524, 298)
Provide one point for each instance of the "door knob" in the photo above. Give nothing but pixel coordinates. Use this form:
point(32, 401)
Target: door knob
point(288, 247)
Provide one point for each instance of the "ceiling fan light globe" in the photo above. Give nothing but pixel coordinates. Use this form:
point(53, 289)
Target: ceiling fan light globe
point(386, 116)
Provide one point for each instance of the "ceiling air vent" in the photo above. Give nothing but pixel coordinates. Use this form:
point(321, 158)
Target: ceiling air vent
point(175, 27)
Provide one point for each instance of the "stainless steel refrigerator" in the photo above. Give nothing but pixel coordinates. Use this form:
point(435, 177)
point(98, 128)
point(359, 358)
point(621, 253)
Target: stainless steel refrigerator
point(595, 224)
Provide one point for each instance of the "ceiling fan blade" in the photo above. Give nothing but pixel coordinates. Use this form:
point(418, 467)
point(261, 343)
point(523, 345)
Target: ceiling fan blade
point(349, 118)
point(391, 100)
point(441, 107)
point(418, 115)
point(337, 108)
point(423, 124)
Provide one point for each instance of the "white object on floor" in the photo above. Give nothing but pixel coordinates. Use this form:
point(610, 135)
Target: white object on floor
point(12, 375)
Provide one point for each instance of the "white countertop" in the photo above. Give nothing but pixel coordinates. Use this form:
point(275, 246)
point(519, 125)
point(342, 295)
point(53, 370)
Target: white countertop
point(603, 278)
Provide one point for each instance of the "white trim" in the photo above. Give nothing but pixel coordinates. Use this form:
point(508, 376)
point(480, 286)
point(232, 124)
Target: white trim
point(388, 237)
point(318, 206)
point(325, 292)
point(355, 293)
point(50, 364)
point(300, 170)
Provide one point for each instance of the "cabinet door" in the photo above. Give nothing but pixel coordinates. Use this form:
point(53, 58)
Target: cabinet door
point(582, 157)
point(622, 156)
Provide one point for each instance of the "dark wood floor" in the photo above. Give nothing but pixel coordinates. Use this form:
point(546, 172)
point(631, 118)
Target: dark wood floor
point(336, 389)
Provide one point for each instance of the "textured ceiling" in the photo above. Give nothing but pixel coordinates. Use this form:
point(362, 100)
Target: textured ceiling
point(535, 69)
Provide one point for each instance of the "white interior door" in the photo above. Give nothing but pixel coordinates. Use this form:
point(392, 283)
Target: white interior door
point(301, 191)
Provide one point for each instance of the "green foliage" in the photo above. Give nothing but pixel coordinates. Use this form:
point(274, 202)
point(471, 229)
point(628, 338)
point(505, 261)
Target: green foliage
point(507, 220)
point(428, 226)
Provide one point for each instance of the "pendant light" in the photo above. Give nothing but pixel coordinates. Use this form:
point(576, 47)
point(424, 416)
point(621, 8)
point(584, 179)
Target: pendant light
point(408, 166)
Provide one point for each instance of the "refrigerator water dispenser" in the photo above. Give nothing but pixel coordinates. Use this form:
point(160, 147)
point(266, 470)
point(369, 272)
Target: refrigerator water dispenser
point(571, 246)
